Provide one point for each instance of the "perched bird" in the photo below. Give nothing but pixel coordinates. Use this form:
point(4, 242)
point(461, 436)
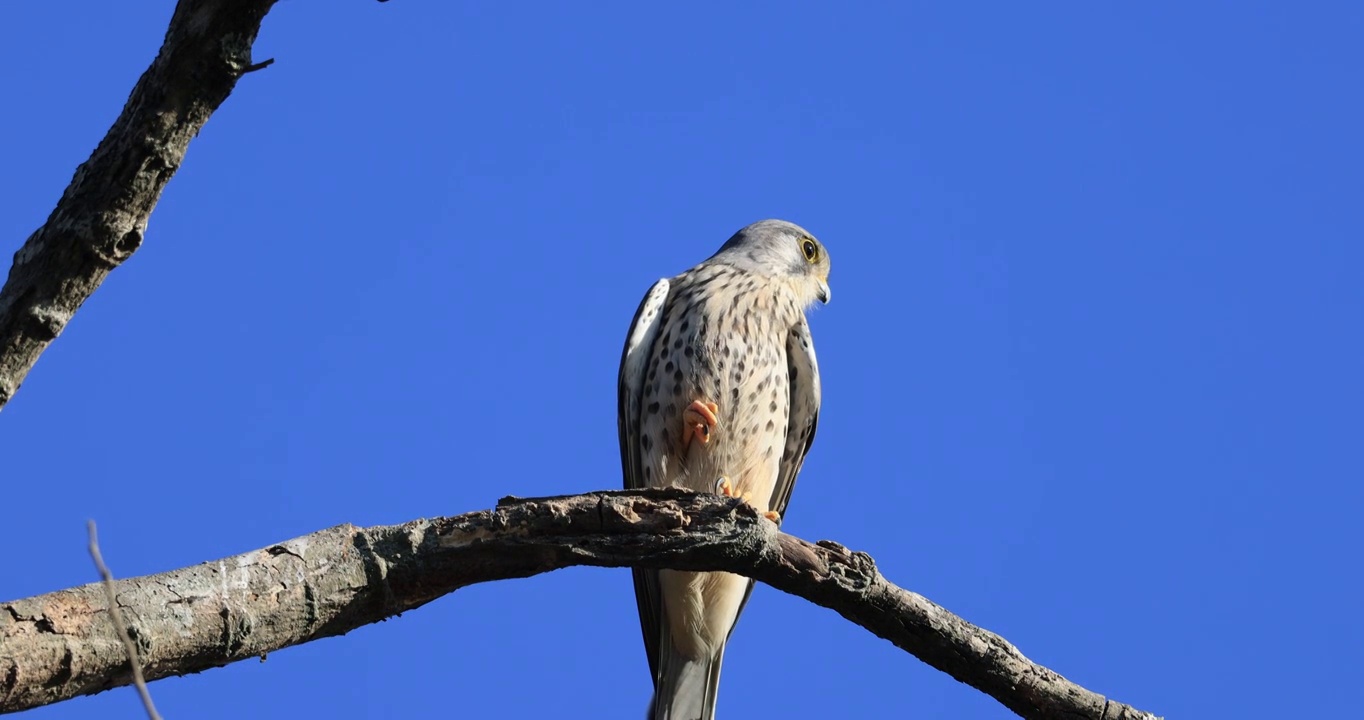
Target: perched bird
point(719, 392)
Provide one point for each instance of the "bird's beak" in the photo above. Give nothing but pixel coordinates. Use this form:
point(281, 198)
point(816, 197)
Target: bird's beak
point(824, 293)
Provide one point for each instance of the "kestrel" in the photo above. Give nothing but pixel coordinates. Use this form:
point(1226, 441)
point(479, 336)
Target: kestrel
point(719, 392)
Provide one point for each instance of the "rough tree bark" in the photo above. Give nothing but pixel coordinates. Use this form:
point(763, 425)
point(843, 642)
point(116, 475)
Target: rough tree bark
point(60, 645)
point(100, 219)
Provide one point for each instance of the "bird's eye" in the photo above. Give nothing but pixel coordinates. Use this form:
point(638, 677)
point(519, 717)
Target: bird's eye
point(811, 250)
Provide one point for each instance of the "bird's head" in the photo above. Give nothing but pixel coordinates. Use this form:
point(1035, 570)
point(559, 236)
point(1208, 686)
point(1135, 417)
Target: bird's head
point(783, 251)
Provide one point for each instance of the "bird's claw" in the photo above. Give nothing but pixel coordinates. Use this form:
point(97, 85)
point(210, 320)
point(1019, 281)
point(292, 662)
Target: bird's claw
point(724, 487)
point(698, 419)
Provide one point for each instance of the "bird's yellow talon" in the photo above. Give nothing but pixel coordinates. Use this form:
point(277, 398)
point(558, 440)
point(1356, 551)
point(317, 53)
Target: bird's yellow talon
point(724, 487)
point(698, 419)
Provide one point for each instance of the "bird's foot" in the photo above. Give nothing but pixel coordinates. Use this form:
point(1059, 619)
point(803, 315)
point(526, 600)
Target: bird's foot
point(698, 419)
point(724, 487)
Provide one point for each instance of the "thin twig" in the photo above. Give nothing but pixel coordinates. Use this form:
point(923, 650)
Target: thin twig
point(256, 66)
point(116, 617)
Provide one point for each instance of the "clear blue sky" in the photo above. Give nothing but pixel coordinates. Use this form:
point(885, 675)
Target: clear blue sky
point(1092, 367)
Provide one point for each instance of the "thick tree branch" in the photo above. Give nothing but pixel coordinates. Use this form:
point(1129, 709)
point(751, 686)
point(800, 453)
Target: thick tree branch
point(60, 645)
point(100, 220)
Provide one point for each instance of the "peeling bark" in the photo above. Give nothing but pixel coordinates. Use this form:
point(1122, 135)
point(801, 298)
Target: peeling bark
point(101, 218)
point(60, 645)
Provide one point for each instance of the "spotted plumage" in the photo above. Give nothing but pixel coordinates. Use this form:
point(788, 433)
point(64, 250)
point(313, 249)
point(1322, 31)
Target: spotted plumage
point(729, 334)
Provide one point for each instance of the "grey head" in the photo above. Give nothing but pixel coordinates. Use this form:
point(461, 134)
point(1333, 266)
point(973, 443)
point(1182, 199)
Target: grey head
point(780, 250)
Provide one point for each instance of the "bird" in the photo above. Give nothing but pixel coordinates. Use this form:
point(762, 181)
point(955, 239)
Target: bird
point(719, 391)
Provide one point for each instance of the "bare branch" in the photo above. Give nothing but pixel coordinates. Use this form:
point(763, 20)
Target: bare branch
point(59, 645)
point(101, 218)
point(116, 617)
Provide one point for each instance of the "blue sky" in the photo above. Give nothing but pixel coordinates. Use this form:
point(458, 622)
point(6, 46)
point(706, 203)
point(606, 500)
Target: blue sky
point(1092, 367)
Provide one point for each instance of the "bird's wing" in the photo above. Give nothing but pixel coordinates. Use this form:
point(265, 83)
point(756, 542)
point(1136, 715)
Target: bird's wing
point(803, 375)
point(634, 363)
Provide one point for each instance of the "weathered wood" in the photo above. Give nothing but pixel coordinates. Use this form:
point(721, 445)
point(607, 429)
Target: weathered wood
point(60, 645)
point(101, 218)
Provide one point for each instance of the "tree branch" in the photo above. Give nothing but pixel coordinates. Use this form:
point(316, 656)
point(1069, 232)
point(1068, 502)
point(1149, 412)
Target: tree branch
point(101, 218)
point(116, 617)
point(60, 645)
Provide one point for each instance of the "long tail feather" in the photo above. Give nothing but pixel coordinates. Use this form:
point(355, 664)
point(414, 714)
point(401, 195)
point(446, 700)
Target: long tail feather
point(686, 688)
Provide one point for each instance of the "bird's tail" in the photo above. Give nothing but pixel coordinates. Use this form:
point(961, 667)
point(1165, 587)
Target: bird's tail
point(686, 688)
